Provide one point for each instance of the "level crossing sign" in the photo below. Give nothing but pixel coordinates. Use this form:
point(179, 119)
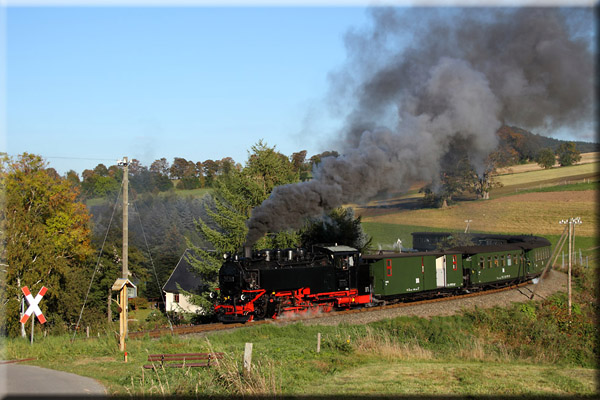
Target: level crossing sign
point(33, 304)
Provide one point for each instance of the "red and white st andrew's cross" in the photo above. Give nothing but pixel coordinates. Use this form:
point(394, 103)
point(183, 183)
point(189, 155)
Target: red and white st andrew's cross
point(33, 304)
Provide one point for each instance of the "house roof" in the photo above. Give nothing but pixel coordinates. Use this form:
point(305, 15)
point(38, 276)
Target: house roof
point(184, 276)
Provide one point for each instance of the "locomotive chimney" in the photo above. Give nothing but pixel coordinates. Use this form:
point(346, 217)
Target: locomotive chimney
point(247, 251)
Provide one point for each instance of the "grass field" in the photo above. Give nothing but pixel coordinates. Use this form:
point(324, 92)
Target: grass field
point(406, 355)
point(553, 174)
point(534, 211)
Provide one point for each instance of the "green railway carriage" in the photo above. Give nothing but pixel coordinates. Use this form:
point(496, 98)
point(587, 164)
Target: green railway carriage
point(404, 274)
point(485, 265)
point(496, 265)
point(537, 254)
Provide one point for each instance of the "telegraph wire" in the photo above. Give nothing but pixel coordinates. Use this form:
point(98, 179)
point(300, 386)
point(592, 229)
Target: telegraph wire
point(68, 157)
point(97, 262)
point(152, 263)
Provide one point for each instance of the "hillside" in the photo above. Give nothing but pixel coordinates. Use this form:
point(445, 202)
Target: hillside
point(518, 145)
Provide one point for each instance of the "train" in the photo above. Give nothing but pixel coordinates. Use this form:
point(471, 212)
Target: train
point(277, 282)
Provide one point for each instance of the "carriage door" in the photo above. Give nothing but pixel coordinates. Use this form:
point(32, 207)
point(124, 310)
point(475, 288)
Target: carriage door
point(440, 271)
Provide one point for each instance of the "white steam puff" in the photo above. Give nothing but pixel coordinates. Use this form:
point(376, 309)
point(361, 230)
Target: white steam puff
point(463, 78)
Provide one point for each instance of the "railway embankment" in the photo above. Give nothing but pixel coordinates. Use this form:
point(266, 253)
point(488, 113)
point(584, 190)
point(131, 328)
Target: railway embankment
point(554, 282)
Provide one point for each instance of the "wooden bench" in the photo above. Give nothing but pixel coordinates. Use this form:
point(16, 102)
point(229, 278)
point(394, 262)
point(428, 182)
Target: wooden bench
point(164, 360)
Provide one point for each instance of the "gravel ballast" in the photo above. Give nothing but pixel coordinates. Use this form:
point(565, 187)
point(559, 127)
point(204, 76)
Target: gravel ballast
point(554, 282)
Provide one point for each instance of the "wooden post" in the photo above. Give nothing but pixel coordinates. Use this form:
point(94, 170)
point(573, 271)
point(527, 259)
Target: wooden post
point(248, 357)
point(123, 317)
point(319, 342)
point(570, 257)
point(87, 331)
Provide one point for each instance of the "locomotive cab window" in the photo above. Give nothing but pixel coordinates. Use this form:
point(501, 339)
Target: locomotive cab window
point(343, 262)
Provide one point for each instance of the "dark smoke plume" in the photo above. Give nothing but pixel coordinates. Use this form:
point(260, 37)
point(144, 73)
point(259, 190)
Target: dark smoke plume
point(420, 79)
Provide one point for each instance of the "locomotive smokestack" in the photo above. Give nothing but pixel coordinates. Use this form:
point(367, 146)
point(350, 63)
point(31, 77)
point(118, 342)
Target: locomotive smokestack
point(457, 77)
point(247, 251)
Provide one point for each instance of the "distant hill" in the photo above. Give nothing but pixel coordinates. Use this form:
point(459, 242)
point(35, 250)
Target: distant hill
point(518, 145)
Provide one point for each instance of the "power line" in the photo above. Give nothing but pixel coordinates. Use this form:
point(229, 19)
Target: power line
point(152, 263)
point(97, 263)
point(72, 158)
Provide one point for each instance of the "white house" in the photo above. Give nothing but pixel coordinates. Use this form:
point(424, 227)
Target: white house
point(184, 277)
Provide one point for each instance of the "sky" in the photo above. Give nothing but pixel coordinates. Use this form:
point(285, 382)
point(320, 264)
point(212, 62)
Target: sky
point(89, 85)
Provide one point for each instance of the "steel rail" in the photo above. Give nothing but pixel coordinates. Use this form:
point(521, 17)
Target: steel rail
point(212, 327)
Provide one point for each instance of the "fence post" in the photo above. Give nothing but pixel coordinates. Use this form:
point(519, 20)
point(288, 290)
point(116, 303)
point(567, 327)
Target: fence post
point(87, 331)
point(319, 342)
point(248, 357)
point(563, 260)
point(580, 257)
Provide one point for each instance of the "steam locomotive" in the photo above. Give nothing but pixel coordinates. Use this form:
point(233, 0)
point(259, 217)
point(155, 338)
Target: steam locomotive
point(274, 283)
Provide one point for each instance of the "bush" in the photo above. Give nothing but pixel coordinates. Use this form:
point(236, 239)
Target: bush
point(139, 303)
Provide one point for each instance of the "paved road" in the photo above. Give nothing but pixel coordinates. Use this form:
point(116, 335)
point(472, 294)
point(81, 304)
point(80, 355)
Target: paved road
point(35, 382)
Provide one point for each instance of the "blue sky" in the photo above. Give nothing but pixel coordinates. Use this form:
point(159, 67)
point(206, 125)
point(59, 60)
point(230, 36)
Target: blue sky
point(89, 84)
point(93, 84)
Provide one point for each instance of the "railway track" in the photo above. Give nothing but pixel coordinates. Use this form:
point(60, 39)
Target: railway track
point(183, 330)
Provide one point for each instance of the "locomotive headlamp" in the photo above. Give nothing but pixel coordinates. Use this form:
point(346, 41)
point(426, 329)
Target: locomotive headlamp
point(211, 295)
point(243, 297)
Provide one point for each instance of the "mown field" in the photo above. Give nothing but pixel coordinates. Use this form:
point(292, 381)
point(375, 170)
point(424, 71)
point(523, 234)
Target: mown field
point(529, 210)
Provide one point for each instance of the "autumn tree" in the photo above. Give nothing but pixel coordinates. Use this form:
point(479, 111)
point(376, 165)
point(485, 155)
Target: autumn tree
point(46, 240)
point(568, 154)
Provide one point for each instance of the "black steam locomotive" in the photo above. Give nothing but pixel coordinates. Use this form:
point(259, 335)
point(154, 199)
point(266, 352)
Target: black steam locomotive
point(273, 283)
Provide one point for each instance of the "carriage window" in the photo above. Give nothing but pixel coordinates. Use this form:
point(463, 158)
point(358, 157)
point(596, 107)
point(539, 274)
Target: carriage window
point(502, 260)
point(481, 262)
point(508, 260)
point(454, 263)
point(489, 260)
point(495, 261)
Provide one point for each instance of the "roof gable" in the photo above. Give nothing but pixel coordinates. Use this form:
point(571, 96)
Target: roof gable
point(184, 276)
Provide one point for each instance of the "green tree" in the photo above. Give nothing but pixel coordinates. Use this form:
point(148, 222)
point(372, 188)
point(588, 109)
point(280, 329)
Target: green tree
point(546, 158)
point(568, 154)
point(235, 195)
point(338, 226)
point(46, 240)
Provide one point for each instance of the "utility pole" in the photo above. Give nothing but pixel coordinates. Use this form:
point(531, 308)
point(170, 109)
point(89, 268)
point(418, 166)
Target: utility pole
point(125, 217)
point(123, 293)
point(572, 222)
